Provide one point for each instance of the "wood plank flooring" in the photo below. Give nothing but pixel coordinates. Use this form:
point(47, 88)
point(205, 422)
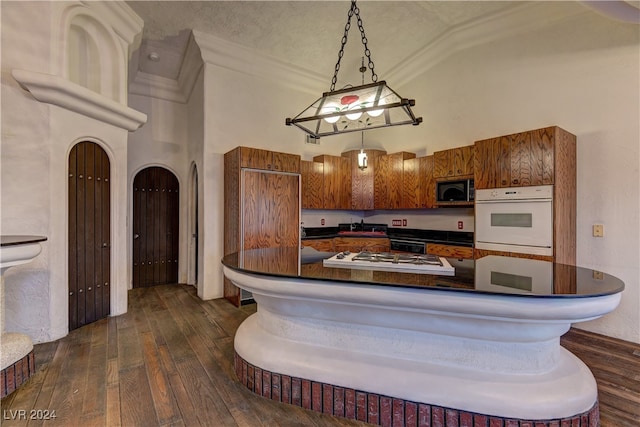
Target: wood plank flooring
point(168, 362)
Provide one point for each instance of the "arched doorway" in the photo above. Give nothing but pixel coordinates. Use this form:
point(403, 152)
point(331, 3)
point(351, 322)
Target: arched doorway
point(89, 234)
point(193, 226)
point(155, 227)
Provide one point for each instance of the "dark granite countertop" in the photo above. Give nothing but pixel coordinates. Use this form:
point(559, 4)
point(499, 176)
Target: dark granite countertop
point(489, 275)
point(455, 238)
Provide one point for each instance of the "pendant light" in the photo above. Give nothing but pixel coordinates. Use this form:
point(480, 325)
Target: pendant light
point(362, 156)
point(355, 108)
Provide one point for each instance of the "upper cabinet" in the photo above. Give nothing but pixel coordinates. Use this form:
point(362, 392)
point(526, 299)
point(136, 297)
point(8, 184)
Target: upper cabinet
point(256, 158)
point(453, 162)
point(523, 159)
point(312, 175)
point(362, 180)
point(418, 191)
point(336, 182)
point(388, 180)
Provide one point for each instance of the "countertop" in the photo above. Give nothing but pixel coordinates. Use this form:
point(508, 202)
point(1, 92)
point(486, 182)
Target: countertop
point(455, 238)
point(558, 280)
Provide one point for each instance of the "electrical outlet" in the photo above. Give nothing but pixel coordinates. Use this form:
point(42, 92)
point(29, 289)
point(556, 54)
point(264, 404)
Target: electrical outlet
point(598, 230)
point(460, 225)
point(404, 222)
point(322, 221)
point(598, 275)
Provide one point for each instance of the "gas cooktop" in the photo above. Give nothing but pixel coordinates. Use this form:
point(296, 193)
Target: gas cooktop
point(397, 258)
point(384, 261)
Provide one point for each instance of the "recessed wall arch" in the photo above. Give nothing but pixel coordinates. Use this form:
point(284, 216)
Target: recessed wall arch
point(91, 55)
point(193, 224)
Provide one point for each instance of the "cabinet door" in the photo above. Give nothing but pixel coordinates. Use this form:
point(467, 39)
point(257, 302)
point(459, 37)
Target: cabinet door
point(521, 159)
point(284, 162)
point(443, 164)
point(542, 156)
point(450, 251)
point(312, 177)
point(336, 181)
point(411, 188)
point(323, 245)
point(463, 160)
point(427, 183)
point(380, 178)
point(255, 158)
point(492, 163)
point(395, 174)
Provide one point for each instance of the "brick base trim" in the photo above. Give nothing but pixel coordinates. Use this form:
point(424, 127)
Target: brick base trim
point(378, 409)
point(17, 374)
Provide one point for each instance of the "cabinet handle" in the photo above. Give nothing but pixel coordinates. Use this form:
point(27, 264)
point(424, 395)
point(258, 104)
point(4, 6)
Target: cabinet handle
point(269, 167)
point(504, 182)
point(515, 181)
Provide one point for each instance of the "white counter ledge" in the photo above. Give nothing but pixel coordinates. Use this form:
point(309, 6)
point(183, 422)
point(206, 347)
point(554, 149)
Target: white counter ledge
point(380, 346)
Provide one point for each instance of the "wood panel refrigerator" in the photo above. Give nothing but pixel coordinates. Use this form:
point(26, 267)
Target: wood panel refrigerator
point(262, 210)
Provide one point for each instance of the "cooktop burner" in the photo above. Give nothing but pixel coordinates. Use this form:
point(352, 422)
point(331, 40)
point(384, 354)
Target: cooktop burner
point(384, 261)
point(397, 258)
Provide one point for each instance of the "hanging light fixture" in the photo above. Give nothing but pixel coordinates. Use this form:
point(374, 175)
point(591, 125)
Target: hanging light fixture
point(355, 108)
point(362, 156)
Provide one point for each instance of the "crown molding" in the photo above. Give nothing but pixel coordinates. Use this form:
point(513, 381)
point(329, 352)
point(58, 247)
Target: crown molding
point(174, 90)
point(55, 90)
point(246, 60)
point(522, 18)
point(124, 21)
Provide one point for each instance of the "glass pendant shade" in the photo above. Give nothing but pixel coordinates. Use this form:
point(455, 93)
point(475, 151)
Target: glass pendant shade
point(357, 108)
point(362, 159)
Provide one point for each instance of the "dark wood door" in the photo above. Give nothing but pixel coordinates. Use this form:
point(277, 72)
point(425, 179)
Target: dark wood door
point(89, 234)
point(155, 227)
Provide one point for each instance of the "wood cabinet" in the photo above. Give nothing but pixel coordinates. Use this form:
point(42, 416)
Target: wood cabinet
point(322, 245)
point(312, 176)
point(544, 156)
point(450, 251)
point(358, 244)
point(454, 162)
point(524, 159)
point(418, 184)
point(388, 180)
point(268, 160)
point(362, 180)
point(336, 181)
point(261, 207)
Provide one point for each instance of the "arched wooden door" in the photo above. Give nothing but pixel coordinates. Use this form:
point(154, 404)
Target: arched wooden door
point(89, 234)
point(155, 227)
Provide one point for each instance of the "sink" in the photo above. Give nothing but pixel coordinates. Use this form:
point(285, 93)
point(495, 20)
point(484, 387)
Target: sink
point(363, 233)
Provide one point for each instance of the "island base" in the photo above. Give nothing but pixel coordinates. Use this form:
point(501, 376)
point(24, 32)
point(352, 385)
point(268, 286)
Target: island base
point(16, 374)
point(378, 409)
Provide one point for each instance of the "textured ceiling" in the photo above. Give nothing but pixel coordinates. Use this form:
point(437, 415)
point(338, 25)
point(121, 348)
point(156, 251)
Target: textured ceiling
point(307, 34)
point(303, 33)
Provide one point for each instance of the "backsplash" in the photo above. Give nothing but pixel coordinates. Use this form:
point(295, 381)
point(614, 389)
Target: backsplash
point(432, 219)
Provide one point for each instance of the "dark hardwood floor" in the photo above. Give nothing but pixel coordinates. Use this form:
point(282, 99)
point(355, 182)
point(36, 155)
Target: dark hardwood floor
point(168, 362)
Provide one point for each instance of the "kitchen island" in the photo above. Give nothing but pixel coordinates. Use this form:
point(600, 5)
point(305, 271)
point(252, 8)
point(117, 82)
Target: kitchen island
point(402, 348)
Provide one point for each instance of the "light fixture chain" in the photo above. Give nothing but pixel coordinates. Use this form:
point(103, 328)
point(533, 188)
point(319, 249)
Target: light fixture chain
point(353, 10)
point(367, 52)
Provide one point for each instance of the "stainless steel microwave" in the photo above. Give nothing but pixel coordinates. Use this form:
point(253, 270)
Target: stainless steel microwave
point(455, 191)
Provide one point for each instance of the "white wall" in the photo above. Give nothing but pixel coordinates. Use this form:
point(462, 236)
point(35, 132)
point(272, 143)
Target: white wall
point(162, 141)
point(36, 141)
point(582, 75)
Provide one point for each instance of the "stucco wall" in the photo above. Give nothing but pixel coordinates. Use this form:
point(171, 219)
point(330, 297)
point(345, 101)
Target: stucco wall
point(582, 75)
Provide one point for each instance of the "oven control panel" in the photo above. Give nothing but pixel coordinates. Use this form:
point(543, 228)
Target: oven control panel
point(515, 193)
